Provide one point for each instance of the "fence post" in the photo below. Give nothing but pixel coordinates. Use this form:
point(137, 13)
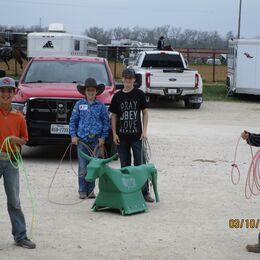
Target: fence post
point(214, 67)
point(15, 68)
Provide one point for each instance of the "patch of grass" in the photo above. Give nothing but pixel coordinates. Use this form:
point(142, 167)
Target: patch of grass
point(218, 92)
point(215, 92)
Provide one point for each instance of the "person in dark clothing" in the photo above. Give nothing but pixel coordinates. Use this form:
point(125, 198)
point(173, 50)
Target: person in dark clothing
point(160, 43)
point(254, 140)
point(128, 127)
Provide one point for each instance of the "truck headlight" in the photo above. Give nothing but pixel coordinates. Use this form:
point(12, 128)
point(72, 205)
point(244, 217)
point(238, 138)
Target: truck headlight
point(22, 107)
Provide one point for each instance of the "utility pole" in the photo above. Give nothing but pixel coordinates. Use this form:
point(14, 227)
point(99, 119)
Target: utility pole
point(40, 23)
point(239, 19)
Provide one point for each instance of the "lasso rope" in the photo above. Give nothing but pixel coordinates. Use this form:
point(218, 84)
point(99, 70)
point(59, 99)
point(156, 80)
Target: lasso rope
point(252, 185)
point(17, 163)
point(92, 153)
point(146, 155)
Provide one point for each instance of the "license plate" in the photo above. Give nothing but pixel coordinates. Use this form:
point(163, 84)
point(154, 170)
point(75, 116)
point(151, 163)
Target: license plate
point(60, 129)
point(172, 91)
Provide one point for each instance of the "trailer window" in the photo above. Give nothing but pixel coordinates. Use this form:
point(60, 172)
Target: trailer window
point(66, 72)
point(163, 60)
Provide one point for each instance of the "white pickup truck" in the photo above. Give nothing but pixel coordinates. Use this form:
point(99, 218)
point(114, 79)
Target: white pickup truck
point(165, 73)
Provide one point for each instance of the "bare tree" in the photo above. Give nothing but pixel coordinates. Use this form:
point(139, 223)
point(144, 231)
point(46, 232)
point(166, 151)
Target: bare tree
point(173, 35)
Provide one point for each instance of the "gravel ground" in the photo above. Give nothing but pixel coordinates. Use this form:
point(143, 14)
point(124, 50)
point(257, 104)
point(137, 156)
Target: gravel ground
point(193, 151)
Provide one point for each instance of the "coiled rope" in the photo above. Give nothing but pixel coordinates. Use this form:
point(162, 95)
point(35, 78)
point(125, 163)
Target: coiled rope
point(93, 153)
point(15, 158)
point(252, 185)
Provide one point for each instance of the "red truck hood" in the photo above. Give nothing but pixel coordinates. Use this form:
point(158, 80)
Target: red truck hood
point(56, 90)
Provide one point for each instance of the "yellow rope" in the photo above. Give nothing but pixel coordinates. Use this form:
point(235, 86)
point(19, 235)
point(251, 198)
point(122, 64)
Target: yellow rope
point(17, 163)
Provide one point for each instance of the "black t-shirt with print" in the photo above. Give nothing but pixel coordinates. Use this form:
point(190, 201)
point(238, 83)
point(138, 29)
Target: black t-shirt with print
point(128, 107)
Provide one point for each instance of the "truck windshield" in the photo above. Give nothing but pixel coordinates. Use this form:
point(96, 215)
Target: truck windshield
point(163, 60)
point(66, 72)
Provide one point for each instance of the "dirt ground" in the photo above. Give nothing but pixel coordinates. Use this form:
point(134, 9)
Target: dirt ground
point(193, 151)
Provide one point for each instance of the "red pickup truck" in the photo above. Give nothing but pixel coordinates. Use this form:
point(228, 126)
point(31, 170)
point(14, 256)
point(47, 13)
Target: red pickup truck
point(47, 93)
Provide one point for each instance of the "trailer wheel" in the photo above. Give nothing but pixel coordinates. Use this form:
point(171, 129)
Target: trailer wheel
point(229, 91)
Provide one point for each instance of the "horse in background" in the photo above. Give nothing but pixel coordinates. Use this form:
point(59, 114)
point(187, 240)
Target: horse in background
point(168, 48)
point(8, 53)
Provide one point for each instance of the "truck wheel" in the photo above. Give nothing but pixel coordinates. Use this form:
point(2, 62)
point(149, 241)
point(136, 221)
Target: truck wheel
point(187, 104)
point(196, 106)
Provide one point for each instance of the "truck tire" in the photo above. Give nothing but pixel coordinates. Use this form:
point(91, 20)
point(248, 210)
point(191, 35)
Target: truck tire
point(196, 105)
point(188, 104)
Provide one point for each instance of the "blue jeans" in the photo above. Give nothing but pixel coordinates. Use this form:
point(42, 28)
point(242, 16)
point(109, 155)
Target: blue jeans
point(85, 186)
point(11, 185)
point(124, 151)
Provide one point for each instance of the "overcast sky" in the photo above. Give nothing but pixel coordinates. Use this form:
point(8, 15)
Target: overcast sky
point(78, 15)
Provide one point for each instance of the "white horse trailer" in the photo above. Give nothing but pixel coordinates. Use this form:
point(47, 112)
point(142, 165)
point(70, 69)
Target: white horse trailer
point(243, 67)
point(56, 42)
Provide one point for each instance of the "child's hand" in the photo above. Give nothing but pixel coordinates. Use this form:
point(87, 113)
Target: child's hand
point(116, 139)
point(16, 140)
point(245, 135)
point(143, 136)
point(101, 142)
point(75, 140)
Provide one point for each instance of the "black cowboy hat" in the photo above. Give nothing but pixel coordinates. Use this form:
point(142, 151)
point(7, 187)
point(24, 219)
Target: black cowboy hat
point(90, 82)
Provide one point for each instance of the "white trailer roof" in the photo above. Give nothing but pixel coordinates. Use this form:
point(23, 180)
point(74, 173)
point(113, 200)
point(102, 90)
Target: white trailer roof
point(245, 41)
point(58, 35)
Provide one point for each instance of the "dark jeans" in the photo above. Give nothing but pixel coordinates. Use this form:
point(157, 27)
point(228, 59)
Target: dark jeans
point(124, 151)
point(85, 186)
point(11, 185)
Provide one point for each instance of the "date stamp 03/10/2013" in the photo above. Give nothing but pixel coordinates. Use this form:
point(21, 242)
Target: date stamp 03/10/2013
point(244, 223)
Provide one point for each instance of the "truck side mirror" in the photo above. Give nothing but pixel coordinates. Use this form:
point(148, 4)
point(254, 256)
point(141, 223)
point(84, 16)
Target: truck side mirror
point(2, 73)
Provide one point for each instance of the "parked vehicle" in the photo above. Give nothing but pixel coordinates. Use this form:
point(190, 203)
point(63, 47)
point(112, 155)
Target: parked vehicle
point(243, 67)
point(47, 93)
point(57, 42)
point(165, 73)
point(213, 61)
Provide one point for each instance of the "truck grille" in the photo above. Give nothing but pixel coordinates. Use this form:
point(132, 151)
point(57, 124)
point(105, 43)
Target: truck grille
point(50, 110)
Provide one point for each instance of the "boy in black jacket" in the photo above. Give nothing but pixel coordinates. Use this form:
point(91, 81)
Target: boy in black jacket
point(254, 140)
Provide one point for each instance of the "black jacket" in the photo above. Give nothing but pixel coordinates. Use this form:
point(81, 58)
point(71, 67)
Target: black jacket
point(160, 44)
point(254, 139)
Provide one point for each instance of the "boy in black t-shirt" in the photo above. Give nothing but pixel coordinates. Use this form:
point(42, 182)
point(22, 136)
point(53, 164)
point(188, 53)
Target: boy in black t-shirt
point(128, 128)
